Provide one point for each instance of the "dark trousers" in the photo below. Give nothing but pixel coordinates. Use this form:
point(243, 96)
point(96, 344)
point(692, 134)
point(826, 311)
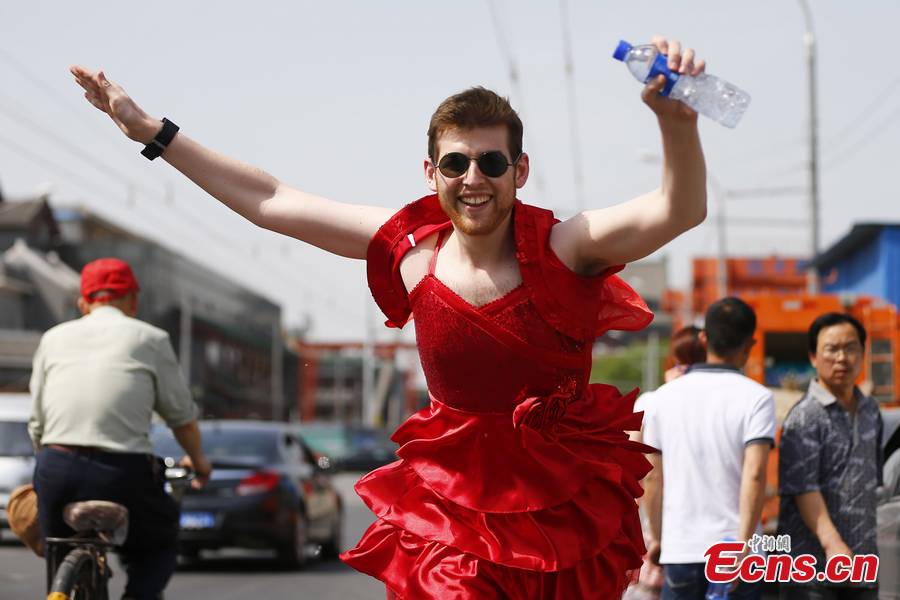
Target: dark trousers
point(688, 582)
point(826, 592)
point(133, 480)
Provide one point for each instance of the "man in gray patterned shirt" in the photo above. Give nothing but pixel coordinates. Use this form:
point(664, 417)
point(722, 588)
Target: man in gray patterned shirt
point(830, 460)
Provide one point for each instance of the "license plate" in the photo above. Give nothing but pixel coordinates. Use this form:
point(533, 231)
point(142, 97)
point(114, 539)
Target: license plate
point(198, 520)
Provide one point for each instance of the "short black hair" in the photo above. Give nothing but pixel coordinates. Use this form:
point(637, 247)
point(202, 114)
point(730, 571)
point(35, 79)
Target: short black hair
point(829, 320)
point(730, 323)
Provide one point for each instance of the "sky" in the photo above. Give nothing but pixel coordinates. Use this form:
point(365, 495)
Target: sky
point(334, 98)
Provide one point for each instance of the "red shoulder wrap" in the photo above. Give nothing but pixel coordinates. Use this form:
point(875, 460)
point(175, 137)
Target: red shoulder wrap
point(581, 307)
point(387, 248)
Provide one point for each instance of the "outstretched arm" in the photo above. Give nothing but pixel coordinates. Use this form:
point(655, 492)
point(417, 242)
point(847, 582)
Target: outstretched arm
point(340, 228)
point(596, 239)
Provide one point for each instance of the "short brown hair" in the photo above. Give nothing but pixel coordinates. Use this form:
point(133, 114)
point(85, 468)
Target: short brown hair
point(475, 107)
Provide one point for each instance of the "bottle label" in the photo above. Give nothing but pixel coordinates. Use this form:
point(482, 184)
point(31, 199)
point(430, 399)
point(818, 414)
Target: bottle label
point(661, 67)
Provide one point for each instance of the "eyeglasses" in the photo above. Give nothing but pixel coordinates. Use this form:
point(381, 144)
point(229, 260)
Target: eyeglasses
point(851, 350)
point(492, 164)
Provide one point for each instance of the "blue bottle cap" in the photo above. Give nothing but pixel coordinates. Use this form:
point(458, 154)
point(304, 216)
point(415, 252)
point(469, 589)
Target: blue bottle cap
point(622, 50)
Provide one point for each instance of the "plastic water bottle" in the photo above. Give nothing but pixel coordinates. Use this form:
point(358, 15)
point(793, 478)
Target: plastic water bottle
point(717, 591)
point(707, 94)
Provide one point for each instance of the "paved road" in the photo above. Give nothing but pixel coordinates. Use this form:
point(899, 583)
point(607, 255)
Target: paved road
point(233, 576)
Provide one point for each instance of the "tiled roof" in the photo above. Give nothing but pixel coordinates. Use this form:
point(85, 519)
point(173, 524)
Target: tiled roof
point(20, 214)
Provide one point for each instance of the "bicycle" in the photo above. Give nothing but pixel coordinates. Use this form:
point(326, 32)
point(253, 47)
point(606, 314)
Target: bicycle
point(78, 567)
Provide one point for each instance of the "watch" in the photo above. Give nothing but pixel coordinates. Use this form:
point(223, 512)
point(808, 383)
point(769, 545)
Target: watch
point(158, 144)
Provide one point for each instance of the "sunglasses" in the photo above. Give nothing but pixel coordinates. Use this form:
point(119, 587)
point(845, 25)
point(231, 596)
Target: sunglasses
point(492, 164)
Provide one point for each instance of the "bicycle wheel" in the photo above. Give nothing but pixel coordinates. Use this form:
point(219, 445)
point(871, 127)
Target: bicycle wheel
point(77, 578)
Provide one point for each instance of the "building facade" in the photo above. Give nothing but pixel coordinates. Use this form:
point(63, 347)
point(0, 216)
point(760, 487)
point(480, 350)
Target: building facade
point(227, 337)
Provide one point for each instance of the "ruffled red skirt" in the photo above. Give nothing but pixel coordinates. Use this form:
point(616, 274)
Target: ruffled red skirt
point(537, 504)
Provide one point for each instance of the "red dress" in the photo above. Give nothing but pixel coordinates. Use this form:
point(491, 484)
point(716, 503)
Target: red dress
point(518, 480)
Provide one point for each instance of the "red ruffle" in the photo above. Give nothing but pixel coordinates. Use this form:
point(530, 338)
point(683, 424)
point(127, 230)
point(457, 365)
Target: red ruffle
point(414, 568)
point(544, 540)
point(530, 492)
point(561, 300)
point(515, 464)
point(558, 292)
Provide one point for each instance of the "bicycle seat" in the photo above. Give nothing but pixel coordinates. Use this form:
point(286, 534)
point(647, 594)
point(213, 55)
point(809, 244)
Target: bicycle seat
point(108, 519)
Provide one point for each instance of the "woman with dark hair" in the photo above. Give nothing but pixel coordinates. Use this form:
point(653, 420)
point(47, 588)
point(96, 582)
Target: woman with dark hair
point(685, 349)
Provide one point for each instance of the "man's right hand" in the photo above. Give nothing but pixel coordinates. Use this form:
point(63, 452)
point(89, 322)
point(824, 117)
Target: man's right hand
point(202, 470)
point(837, 547)
point(112, 99)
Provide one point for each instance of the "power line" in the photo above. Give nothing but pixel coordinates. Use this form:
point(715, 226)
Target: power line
point(836, 154)
point(47, 163)
point(766, 222)
point(513, 71)
point(765, 192)
point(49, 92)
point(866, 112)
point(193, 219)
point(866, 139)
point(569, 67)
point(64, 103)
point(76, 151)
point(108, 171)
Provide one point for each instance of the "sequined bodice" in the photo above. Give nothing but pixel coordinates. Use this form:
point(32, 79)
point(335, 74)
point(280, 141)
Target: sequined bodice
point(482, 359)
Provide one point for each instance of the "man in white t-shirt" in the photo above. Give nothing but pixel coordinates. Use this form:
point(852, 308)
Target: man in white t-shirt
point(714, 429)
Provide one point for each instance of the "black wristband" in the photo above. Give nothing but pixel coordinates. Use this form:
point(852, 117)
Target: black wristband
point(161, 141)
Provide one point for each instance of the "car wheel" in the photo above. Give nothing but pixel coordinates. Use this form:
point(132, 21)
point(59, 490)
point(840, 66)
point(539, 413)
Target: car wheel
point(292, 554)
point(332, 548)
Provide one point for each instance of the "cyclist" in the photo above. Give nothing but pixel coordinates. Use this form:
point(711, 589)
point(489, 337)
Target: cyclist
point(95, 384)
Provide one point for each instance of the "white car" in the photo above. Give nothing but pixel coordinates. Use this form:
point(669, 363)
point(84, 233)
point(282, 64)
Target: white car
point(16, 453)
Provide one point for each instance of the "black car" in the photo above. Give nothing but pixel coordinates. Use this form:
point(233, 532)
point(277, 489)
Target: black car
point(268, 490)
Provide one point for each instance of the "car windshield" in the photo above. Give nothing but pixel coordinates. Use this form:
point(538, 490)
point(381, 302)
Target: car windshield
point(369, 439)
point(331, 441)
point(14, 440)
point(223, 443)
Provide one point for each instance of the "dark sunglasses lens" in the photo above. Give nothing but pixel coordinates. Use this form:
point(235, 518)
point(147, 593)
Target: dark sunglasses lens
point(453, 164)
point(492, 164)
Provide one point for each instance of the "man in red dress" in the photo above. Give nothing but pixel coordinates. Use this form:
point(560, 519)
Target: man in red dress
point(563, 455)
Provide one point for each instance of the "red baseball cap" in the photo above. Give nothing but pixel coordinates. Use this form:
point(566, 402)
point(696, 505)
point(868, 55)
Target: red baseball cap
point(110, 275)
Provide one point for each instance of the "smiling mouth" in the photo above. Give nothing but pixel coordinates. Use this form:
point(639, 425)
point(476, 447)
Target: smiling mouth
point(474, 200)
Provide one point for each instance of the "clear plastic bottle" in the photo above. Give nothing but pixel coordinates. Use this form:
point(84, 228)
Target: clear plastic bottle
point(707, 94)
point(717, 591)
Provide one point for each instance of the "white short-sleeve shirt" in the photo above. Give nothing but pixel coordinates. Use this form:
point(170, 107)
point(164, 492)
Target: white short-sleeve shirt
point(701, 423)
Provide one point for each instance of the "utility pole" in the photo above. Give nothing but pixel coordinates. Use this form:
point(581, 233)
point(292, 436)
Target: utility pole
point(809, 43)
point(719, 195)
point(651, 362)
point(185, 341)
point(368, 415)
point(277, 360)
